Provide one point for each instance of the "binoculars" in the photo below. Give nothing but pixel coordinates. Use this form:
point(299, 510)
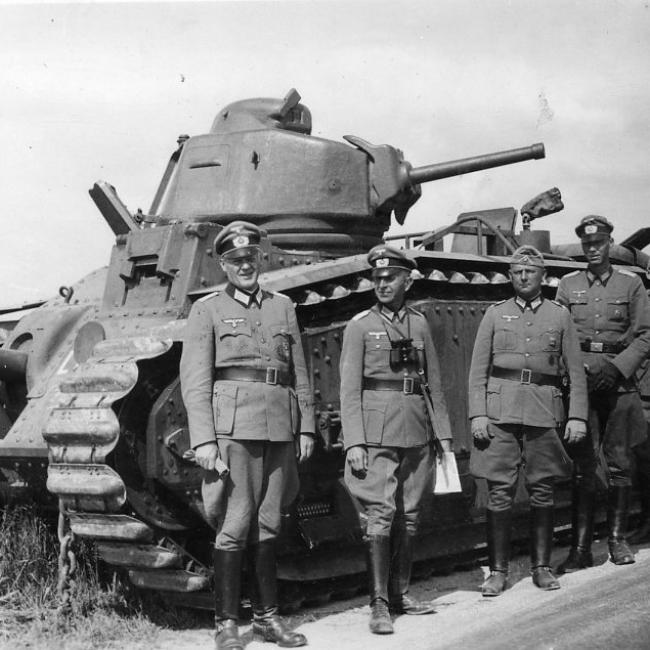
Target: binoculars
point(402, 352)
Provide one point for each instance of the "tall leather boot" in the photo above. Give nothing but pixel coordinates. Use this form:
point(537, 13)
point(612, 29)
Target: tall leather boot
point(498, 526)
point(541, 538)
point(378, 560)
point(617, 500)
point(642, 533)
point(267, 623)
point(227, 580)
point(582, 530)
point(400, 576)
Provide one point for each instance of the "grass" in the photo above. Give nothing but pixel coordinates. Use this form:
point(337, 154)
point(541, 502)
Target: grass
point(105, 611)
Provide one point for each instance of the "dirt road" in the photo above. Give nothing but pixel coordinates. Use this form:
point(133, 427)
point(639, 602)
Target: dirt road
point(596, 608)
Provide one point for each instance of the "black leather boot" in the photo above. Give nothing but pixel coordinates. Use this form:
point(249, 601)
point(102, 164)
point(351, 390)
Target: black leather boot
point(378, 560)
point(617, 500)
point(267, 623)
point(498, 526)
point(642, 533)
point(582, 530)
point(400, 577)
point(541, 537)
point(227, 580)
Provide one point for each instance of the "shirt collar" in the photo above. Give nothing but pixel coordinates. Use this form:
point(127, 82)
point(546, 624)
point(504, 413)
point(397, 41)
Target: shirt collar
point(533, 305)
point(592, 277)
point(244, 297)
point(391, 315)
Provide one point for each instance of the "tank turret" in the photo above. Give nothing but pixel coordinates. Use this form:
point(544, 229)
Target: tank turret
point(259, 162)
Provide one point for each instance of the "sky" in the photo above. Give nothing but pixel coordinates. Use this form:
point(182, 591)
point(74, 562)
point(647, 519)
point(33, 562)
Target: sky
point(100, 91)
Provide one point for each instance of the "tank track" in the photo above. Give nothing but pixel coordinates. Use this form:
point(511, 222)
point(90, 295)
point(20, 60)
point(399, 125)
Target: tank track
point(81, 431)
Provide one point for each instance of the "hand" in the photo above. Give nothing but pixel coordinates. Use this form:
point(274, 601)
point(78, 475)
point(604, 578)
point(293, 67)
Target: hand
point(357, 458)
point(575, 431)
point(305, 447)
point(206, 455)
point(607, 377)
point(480, 428)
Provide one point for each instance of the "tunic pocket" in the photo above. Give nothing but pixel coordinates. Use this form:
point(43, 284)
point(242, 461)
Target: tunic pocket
point(579, 309)
point(551, 340)
point(224, 405)
point(505, 339)
point(494, 402)
point(282, 341)
point(618, 309)
point(374, 412)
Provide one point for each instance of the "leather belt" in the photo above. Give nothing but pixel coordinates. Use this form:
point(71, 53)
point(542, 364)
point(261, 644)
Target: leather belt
point(594, 346)
point(526, 376)
point(270, 376)
point(408, 385)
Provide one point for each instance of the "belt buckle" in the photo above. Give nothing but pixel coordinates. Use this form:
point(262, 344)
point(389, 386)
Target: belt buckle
point(271, 376)
point(408, 386)
point(596, 347)
point(526, 374)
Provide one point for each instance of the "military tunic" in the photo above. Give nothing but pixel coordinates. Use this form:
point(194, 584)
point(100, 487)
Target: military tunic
point(520, 354)
point(392, 424)
point(254, 422)
point(612, 314)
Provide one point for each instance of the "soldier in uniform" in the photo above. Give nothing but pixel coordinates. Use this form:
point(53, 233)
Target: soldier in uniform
point(523, 348)
point(612, 314)
point(387, 352)
point(248, 398)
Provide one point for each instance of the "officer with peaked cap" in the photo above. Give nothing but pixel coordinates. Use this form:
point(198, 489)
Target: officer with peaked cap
point(386, 431)
point(523, 346)
point(246, 390)
point(612, 315)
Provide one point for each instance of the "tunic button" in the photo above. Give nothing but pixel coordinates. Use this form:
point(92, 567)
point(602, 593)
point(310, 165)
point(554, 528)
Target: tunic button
point(597, 331)
point(262, 340)
point(528, 323)
point(597, 315)
point(258, 323)
point(597, 299)
point(377, 346)
point(598, 282)
point(526, 355)
point(528, 339)
point(268, 358)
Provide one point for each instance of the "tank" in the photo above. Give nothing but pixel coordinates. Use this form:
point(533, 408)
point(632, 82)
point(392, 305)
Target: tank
point(92, 417)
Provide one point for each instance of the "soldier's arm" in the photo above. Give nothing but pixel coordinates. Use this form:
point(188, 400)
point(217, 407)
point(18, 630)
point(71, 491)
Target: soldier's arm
point(351, 371)
point(442, 425)
point(303, 385)
point(578, 400)
point(196, 374)
point(480, 365)
point(631, 358)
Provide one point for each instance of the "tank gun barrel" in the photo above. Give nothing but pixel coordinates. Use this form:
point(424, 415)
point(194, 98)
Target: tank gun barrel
point(475, 163)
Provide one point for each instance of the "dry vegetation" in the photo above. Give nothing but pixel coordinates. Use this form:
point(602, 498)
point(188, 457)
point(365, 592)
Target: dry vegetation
point(104, 611)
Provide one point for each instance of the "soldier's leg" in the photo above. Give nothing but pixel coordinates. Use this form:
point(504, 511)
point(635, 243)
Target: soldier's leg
point(415, 476)
point(625, 428)
point(280, 484)
point(583, 498)
point(243, 486)
point(545, 462)
point(642, 459)
point(498, 462)
point(376, 492)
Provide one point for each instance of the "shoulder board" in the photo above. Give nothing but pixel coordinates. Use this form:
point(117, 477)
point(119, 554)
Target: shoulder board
point(571, 275)
point(214, 294)
point(626, 272)
point(414, 311)
point(274, 293)
point(360, 315)
point(496, 304)
point(559, 304)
